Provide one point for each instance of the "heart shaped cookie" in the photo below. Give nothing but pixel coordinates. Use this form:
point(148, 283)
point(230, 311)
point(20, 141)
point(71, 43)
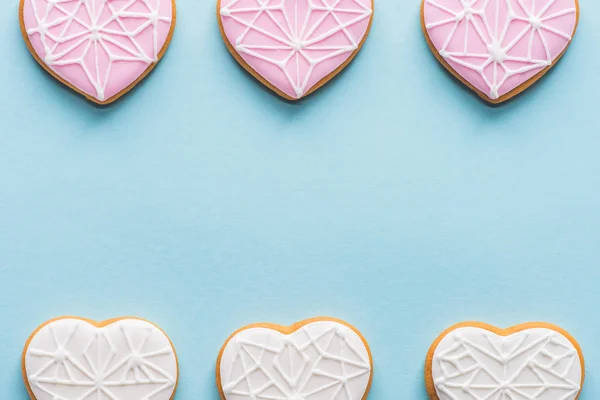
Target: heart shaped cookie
point(475, 361)
point(499, 48)
point(294, 46)
point(316, 359)
point(99, 48)
point(121, 359)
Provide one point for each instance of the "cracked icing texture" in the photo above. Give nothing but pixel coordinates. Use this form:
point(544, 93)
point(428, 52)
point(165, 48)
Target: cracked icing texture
point(98, 46)
point(323, 360)
point(498, 45)
point(70, 359)
point(294, 44)
point(534, 364)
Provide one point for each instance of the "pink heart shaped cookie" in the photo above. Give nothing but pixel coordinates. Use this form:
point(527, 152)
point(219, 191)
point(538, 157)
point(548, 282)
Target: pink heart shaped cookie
point(99, 48)
point(294, 46)
point(499, 47)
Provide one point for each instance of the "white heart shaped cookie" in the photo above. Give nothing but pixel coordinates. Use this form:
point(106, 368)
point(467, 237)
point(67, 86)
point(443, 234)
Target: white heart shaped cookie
point(315, 359)
point(475, 361)
point(121, 359)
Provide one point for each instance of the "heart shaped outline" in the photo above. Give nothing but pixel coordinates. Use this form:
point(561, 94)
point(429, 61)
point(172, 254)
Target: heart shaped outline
point(514, 92)
point(288, 330)
point(429, 385)
point(274, 88)
point(89, 97)
point(97, 324)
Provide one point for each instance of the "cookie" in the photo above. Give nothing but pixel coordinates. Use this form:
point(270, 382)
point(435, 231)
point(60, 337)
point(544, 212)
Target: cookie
point(499, 48)
point(99, 48)
point(316, 359)
point(476, 361)
point(294, 47)
point(73, 358)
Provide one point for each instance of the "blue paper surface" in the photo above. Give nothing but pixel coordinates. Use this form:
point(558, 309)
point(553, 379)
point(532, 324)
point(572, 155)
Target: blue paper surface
point(393, 198)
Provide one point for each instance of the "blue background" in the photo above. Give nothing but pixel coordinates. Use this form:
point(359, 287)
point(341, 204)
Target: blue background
point(392, 198)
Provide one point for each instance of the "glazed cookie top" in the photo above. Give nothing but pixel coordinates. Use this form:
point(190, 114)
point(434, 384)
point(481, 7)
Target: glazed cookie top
point(322, 360)
point(535, 363)
point(98, 47)
point(72, 359)
point(294, 45)
point(499, 45)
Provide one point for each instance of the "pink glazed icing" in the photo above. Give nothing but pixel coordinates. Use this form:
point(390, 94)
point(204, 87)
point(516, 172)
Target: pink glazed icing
point(294, 44)
point(98, 46)
point(498, 45)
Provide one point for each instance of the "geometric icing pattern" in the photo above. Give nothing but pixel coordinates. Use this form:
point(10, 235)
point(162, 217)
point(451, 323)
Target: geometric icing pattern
point(534, 364)
point(294, 44)
point(498, 45)
point(323, 360)
point(98, 46)
point(71, 359)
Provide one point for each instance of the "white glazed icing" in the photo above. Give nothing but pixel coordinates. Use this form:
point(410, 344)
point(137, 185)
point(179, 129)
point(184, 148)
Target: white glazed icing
point(323, 360)
point(130, 359)
point(535, 364)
